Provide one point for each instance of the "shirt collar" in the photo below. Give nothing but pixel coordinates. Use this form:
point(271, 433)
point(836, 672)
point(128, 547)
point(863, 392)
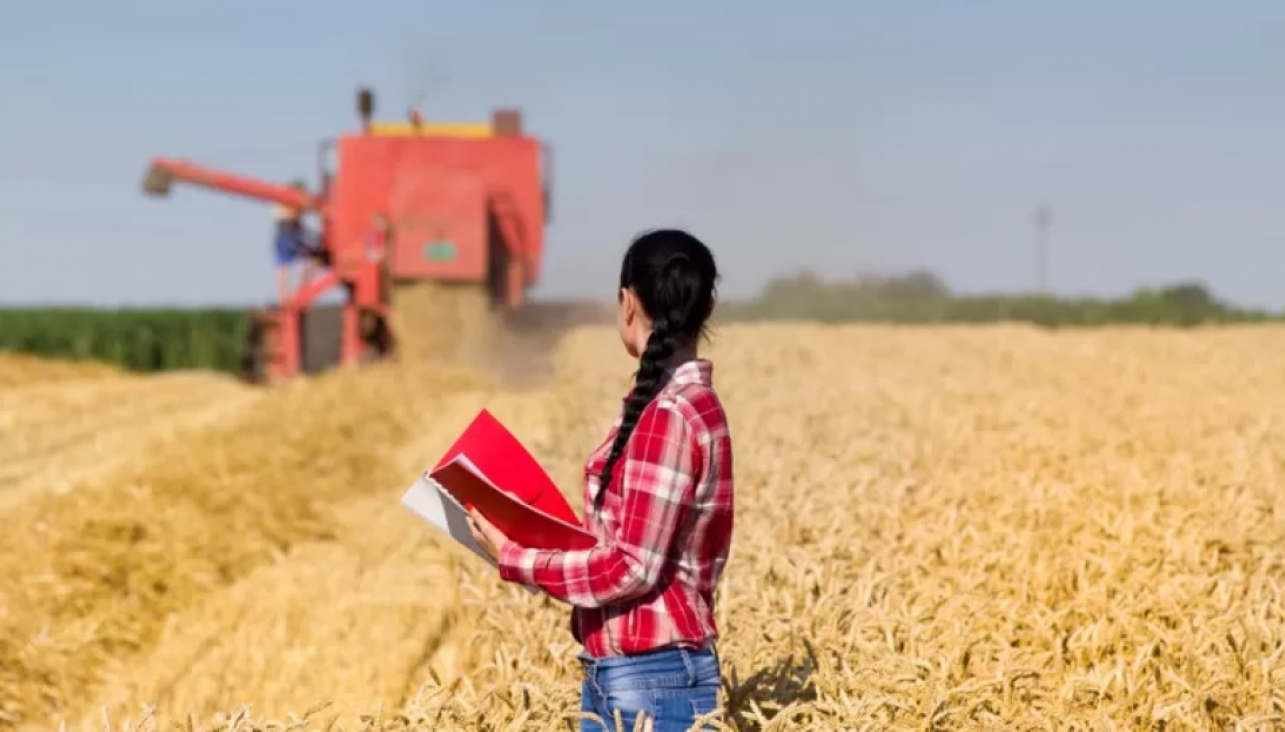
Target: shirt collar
point(695, 371)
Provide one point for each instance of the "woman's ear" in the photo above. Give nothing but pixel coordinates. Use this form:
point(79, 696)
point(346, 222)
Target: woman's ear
point(628, 305)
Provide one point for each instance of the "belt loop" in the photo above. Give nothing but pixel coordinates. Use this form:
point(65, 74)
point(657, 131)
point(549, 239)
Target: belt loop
point(687, 662)
point(589, 668)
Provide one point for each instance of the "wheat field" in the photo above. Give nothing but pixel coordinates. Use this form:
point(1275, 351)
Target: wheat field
point(983, 528)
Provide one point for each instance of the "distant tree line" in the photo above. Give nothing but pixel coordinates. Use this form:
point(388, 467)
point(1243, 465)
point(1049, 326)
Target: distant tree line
point(921, 297)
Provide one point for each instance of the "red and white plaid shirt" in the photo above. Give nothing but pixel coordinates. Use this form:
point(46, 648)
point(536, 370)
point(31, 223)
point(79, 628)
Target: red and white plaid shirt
point(665, 528)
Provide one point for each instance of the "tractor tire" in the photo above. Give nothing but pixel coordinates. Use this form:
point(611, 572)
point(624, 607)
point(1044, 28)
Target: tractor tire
point(254, 353)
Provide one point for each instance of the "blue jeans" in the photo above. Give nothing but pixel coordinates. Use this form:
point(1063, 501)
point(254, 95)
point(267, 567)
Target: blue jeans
point(668, 687)
point(285, 249)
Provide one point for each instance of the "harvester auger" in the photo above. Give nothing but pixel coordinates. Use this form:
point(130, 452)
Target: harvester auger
point(465, 204)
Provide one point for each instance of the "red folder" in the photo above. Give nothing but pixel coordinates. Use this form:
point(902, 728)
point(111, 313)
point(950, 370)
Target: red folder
point(489, 469)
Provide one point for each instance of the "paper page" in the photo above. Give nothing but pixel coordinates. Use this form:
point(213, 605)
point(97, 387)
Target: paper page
point(426, 499)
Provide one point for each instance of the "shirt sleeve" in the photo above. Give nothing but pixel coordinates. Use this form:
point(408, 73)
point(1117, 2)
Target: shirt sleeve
point(656, 480)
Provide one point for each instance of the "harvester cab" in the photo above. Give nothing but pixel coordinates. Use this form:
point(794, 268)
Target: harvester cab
point(464, 204)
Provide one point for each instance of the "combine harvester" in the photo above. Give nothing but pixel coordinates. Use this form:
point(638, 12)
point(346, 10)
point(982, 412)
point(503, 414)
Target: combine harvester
point(467, 205)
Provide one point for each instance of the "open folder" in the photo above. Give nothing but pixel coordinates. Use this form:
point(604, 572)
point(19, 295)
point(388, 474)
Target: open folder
point(489, 469)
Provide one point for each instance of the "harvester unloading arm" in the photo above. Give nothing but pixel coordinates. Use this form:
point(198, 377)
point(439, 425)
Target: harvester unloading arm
point(276, 346)
point(162, 173)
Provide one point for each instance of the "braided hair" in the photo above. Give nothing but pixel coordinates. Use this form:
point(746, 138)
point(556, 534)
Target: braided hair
point(673, 275)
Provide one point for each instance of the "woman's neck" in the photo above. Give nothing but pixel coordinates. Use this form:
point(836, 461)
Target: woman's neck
point(681, 355)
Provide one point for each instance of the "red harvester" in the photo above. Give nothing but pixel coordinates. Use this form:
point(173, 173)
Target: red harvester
point(467, 203)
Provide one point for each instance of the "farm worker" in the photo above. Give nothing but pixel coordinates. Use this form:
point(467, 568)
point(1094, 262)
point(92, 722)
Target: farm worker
point(658, 494)
point(289, 244)
point(286, 240)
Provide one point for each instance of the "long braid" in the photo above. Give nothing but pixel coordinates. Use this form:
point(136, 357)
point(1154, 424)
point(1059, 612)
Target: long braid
point(661, 345)
point(672, 274)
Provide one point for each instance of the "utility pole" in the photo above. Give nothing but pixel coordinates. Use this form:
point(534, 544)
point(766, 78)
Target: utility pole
point(1043, 221)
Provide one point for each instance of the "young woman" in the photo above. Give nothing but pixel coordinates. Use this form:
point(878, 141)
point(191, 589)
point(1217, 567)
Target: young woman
point(658, 493)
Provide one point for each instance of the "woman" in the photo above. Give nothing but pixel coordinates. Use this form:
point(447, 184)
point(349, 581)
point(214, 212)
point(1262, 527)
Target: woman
point(658, 494)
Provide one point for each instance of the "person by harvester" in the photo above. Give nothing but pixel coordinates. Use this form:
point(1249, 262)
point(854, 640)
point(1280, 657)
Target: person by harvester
point(658, 493)
point(290, 243)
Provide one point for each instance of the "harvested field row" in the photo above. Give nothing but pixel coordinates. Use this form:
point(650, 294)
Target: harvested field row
point(208, 512)
point(946, 528)
point(56, 436)
point(313, 618)
point(19, 369)
point(93, 576)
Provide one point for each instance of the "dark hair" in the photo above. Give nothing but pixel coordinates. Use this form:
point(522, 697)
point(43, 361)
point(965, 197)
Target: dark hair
point(674, 277)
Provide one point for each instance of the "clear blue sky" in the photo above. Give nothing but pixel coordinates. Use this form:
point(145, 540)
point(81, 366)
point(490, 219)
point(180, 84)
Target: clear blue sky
point(838, 136)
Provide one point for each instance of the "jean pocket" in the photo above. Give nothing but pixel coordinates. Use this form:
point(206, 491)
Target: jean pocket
point(704, 700)
point(706, 668)
point(657, 710)
point(662, 710)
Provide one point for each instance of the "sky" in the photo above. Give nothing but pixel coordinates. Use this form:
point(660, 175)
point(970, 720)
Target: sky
point(841, 137)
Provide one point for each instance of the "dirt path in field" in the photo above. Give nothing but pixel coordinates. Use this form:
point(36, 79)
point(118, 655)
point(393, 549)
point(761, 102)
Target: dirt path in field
point(55, 436)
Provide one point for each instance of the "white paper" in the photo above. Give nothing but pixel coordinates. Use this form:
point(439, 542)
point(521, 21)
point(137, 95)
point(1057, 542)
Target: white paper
point(428, 500)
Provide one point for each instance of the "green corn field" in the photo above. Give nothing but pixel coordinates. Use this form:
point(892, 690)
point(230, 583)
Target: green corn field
point(145, 340)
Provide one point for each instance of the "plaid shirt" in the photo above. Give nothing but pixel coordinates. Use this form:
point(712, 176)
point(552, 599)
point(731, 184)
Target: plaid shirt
point(665, 528)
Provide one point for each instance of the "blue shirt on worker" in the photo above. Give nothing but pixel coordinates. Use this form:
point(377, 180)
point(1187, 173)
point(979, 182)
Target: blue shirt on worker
point(289, 240)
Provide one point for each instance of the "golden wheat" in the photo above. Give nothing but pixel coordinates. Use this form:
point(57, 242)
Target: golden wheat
point(440, 323)
point(92, 574)
point(57, 435)
point(20, 369)
point(937, 528)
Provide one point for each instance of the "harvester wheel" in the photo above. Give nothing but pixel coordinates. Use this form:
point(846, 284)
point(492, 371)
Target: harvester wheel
point(253, 353)
point(376, 335)
point(259, 349)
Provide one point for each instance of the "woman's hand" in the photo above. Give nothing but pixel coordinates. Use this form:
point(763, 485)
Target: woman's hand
point(486, 535)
